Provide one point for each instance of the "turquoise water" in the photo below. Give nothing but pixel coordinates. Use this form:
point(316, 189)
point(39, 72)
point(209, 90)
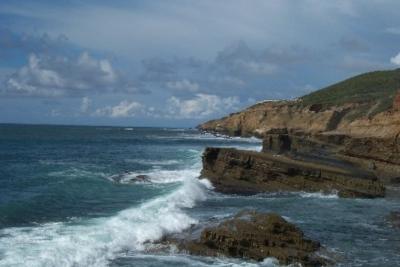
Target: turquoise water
point(59, 205)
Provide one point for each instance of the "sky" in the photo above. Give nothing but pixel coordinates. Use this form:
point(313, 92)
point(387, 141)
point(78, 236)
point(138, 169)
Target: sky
point(178, 63)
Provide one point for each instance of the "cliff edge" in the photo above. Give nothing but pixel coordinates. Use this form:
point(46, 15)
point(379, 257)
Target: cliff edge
point(367, 105)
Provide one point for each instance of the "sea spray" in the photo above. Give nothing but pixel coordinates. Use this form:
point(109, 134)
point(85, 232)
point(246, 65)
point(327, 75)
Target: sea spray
point(97, 241)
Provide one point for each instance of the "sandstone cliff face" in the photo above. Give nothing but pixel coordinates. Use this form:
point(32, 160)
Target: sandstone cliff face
point(292, 115)
point(247, 172)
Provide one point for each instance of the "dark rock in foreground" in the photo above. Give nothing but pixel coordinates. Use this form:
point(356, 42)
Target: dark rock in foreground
point(248, 172)
point(255, 236)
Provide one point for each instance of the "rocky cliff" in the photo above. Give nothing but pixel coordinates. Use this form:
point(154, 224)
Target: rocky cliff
point(367, 105)
point(357, 120)
point(345, 119)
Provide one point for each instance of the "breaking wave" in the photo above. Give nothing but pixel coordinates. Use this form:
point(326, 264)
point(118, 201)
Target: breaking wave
point(97, 241)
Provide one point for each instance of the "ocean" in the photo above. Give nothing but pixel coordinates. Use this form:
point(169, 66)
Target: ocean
point(66, 199)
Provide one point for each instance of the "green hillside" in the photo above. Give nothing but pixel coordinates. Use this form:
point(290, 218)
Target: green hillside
point(376, 89)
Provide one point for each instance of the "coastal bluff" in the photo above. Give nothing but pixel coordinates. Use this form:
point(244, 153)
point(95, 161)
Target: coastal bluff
point(367, 105)
point(353, 125)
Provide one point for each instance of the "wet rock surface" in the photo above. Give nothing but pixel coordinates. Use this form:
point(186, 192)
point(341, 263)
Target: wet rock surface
point(255, 236)
point(248, 172)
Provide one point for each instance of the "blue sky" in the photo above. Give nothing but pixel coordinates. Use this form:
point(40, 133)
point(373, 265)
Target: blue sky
point(178, 63)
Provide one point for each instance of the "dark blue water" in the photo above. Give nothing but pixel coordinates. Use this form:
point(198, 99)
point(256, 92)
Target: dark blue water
point(59, 206)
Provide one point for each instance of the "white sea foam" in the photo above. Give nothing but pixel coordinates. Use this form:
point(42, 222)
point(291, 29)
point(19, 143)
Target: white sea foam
point(96, 241)
point(332, 195)
point(159, 176)
point(156, 176)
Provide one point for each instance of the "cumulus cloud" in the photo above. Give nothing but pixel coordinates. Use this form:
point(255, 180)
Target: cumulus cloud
point(124, 109)
point(396, 59)
point(200, 106)
point(54, 76)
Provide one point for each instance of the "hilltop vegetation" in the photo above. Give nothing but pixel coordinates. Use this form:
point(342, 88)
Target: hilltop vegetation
point(375, 89)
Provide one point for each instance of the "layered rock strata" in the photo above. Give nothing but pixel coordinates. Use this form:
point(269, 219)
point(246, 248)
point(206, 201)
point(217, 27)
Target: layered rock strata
point(259, 119)
point(248, 172)
point(378, 155)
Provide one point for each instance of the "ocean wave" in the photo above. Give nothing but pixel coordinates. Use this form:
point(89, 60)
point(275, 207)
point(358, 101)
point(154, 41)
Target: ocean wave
point(74, 172)
point(153, 162)
point(188, 260)
point(97, 241)
point(157, 176)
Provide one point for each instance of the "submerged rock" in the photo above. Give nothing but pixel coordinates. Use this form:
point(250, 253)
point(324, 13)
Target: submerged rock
point(249, 172)
point(128, 177)
point(256, 236)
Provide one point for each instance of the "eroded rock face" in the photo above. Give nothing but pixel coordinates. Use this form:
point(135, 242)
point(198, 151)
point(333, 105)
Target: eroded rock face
point(260, 119)
point(381, 149)
point(248, 172)
point(256, 236)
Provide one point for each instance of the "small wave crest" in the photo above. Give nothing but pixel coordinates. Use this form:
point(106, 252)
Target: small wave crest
point(332, 195)
point(153, 162)
point(156, 176)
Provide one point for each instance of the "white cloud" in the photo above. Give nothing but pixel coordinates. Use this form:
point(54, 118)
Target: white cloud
point(200, 106)
point(51, 76)
point(85, 105)
point(183, 85)
point(123, 109)
point(396, 59)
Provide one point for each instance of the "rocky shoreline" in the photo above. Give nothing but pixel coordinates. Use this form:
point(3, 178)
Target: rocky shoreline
point(321, 142)
point(294, 159)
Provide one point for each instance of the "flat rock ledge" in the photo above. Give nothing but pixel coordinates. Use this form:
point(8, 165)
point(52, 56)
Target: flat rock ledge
point(255, 236)
point(248, 172)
